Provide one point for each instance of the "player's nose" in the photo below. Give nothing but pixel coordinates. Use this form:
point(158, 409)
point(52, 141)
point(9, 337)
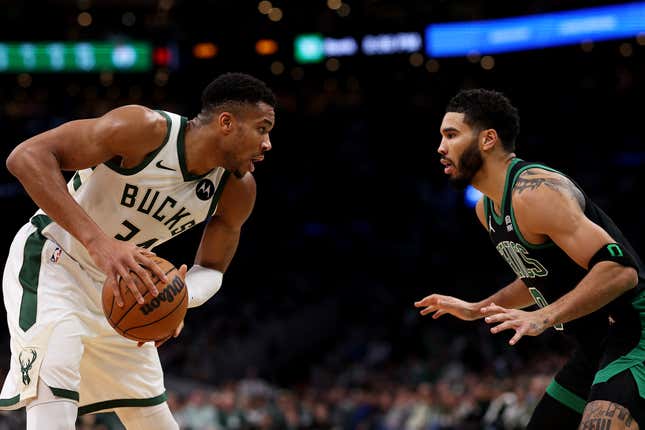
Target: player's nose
point(266, 145)
point(442, 149)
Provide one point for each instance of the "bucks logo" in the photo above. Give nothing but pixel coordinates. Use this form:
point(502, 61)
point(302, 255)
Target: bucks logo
point(27, 357)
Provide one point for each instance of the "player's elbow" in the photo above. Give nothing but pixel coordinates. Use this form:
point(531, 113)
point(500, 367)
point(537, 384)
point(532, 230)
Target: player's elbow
point(16, 161)
point(26, 158)
point(633, 277)
point(627, 277)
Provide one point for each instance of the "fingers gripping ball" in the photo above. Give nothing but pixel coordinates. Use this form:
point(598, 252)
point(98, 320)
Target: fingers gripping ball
point(155, 319)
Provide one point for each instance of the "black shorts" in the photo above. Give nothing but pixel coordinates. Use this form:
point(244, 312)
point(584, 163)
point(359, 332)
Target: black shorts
point(621, 389)
point(573, 387)
point(572, 384)
point(562, 406)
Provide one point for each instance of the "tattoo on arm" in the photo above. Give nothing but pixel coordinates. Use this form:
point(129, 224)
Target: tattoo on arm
point(532, 179)
point(601, 414)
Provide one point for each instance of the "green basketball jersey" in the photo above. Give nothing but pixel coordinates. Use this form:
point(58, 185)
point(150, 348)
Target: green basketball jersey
point(548, 271)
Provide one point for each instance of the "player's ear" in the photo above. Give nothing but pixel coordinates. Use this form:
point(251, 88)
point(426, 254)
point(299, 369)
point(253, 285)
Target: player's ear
point(225, 121)
point(487, 139)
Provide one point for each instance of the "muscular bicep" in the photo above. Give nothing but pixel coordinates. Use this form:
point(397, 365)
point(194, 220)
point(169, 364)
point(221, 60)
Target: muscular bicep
point(581, 241)
point(128, 132)
point(221, 235)
point(557, 215)
point(76, 144)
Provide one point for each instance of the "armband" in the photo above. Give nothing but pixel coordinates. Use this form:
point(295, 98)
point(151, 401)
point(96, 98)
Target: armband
point(613, 252)
point(201, 284)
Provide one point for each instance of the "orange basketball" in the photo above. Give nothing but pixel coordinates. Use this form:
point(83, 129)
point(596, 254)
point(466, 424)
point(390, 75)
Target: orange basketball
point(155, 319)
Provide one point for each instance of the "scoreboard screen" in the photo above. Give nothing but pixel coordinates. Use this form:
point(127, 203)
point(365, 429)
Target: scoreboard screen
point(75, 57)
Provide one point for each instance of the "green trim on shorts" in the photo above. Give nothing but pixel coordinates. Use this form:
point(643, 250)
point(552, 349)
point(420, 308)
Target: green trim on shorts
point(634, 359)
point(30, 272)
point(9, 402)
point(76, 181)
point(122, 403)
point(41, 221)
point(65, 394)
point(28, 277)
point(566, 397)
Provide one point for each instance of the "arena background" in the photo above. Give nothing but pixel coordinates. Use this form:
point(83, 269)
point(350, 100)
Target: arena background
point(354, 221)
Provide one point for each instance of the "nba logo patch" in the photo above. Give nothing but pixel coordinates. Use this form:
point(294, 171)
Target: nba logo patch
point(56, 255)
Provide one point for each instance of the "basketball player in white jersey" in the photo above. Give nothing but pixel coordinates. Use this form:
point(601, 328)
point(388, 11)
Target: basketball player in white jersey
point(142, 177)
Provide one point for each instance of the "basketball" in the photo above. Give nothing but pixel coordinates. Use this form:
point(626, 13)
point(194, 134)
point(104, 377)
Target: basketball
point(155, 319)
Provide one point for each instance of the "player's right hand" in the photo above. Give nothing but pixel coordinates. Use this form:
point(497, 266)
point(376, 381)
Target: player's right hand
point(120, 261)
point(442, 305)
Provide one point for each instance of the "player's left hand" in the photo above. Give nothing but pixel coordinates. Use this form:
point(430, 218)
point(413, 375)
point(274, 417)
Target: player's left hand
point(182, 273)
point(524, 323)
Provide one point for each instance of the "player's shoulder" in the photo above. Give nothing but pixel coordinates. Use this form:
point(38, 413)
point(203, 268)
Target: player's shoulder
point(134, 123)
point(539, 171)
point(537, 186)
point(135, 116)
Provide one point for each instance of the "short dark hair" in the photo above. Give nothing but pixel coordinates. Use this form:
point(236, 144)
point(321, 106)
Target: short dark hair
point(235, 89)
point(484, 109)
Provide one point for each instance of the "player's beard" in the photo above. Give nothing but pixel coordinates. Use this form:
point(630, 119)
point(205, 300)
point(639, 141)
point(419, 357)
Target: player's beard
point(469, 164)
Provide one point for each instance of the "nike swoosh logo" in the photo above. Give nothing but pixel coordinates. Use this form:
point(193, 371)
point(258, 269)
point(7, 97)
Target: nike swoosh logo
point(161, 166)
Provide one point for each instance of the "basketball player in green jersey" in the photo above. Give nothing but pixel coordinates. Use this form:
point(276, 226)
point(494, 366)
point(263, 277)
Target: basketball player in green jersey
point(570, 259)
point(142, 177)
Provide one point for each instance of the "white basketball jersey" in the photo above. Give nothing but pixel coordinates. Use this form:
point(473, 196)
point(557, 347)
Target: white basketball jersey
point(146, 204)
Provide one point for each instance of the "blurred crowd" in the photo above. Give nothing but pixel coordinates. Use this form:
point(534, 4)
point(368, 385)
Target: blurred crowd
point(405, 398)
point(453, 402)
point(450, 388)
point(457, 400)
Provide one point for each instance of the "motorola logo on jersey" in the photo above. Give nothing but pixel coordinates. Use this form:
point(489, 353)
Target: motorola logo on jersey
point(205, 189)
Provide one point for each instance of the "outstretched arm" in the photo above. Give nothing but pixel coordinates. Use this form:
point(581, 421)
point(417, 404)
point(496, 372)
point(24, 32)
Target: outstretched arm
point(38, 161)
point(514, 296)
point(552, 208)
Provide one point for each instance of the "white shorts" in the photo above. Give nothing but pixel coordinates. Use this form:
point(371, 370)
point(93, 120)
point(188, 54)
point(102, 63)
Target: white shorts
point(59, 334)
